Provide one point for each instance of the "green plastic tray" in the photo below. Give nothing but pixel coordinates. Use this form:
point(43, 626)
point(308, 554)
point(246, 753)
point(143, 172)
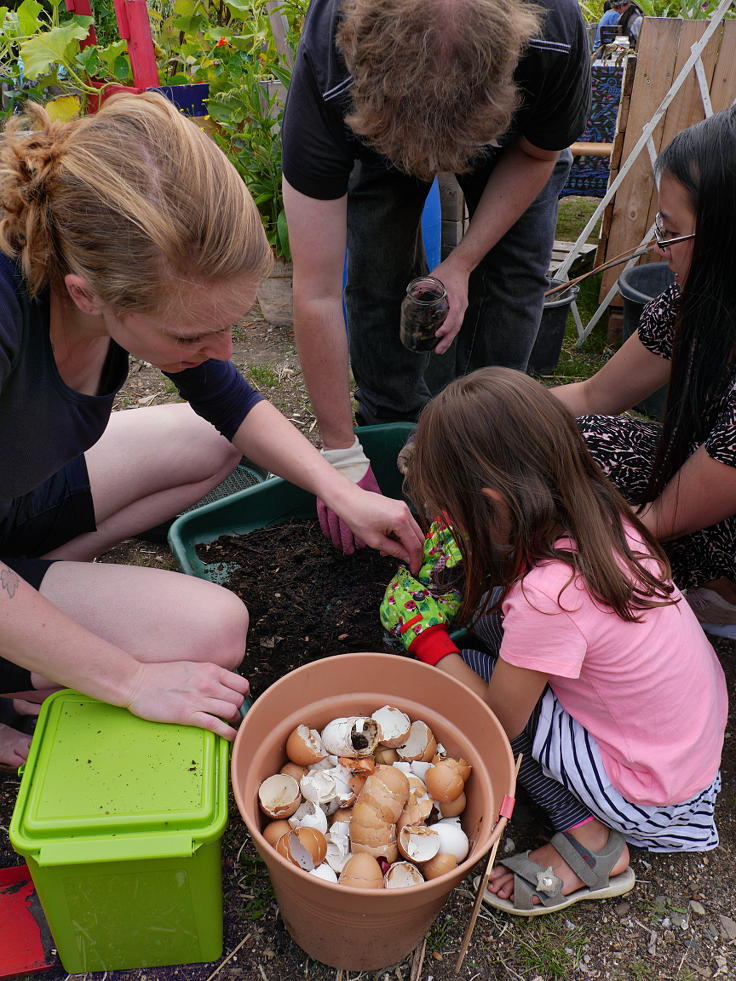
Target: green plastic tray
point(273, 502)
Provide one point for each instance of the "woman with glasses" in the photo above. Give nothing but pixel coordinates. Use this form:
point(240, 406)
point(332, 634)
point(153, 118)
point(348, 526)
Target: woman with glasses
point(682, 474)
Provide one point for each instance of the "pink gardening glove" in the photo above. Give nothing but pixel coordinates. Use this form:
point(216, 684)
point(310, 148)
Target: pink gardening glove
point(355, 465)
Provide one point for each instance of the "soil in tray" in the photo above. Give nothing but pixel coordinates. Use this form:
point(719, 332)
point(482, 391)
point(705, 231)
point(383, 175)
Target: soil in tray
point(306, 600)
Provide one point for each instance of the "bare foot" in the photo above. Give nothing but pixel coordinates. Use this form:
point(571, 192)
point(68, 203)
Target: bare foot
point(23, 707)
point(14, 746)
point(593, 835)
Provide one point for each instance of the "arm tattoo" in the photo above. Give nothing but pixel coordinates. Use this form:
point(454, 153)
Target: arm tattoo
point(9, 581)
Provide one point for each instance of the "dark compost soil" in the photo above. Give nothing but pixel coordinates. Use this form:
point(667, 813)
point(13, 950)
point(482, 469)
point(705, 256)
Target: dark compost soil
point(306, 600)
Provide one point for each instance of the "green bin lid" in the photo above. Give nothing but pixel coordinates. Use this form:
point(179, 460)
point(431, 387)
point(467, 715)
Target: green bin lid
point(98, 774)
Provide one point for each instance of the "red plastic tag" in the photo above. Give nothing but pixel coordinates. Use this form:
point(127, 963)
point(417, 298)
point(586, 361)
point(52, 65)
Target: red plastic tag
point(507, 807)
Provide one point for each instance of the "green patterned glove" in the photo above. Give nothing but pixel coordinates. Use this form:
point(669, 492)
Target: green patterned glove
point(414, 610)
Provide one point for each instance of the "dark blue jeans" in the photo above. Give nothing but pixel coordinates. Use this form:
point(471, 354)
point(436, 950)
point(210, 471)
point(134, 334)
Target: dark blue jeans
point(385, 252)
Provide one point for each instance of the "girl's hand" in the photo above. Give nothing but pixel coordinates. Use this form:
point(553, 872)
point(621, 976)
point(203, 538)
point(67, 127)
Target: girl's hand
point(190, 693)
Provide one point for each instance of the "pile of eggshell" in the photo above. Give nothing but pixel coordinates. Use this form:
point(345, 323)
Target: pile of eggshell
point(370, 802)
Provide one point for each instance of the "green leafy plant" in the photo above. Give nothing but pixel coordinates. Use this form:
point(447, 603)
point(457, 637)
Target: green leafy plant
point(41, 58)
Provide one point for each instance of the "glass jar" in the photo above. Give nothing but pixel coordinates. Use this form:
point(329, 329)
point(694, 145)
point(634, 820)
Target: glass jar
point(423, 311)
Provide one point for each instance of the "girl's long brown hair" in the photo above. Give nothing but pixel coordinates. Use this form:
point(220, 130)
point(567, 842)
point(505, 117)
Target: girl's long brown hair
point(501, 430)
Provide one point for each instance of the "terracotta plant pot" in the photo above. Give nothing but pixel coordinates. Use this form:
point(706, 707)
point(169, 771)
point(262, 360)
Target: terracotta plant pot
point(357, 929)
point(274, 295)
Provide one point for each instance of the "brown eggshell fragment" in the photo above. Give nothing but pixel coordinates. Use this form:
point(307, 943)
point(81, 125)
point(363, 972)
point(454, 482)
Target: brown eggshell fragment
point(452, 808)
point(362, 872)
point(361, 766)
point(304, 847)
point(438, 865)
point(373, 824)
point(401, 875)
point(279, 796)
point(304, 746)
point(385, 754)
point(294, 770)
point(275, 830)
point(343, 814)
point(444, 782)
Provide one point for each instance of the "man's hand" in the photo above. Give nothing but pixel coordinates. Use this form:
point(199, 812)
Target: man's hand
point(454, 277)
point(355, 465)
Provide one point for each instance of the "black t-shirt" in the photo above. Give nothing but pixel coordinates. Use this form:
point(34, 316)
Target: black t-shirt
point(319, 150)
point(44, 423)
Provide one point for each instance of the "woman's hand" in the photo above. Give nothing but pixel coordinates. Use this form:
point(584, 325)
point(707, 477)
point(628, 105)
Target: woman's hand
point(381, 522)
point(190, 693)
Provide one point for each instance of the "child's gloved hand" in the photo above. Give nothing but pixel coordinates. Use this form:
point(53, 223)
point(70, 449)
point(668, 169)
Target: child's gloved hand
point(441, 553)
point(418, 618)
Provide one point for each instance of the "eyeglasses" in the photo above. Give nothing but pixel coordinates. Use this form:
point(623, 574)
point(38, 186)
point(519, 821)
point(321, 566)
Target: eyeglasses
point(660, 236)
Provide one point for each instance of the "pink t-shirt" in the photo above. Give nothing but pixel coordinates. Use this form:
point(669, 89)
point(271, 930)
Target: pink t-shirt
point(651, 693)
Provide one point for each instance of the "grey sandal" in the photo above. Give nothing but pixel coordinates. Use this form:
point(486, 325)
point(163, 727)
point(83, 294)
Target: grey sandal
point(533, 880)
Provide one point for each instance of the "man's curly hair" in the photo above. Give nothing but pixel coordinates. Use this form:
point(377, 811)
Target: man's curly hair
point(433, 80)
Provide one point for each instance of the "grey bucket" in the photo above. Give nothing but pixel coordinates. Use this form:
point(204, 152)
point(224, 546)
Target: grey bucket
point(546, 351)
point(638, 286)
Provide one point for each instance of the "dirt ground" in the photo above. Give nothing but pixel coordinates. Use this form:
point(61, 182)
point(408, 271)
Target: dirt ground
point(679, 924)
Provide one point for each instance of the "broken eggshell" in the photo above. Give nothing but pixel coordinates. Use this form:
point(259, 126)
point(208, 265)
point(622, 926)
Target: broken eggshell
point(309, 815)
point(385, 755)
point(294, 770)
point(318, 786)
point(304, 746)
point(441, 863)
point(362, 872)
point(304, 847)
point(324, 871)
point(274, 830)
point(453, 839)
point(279, 795)
point(420, 744)
point(353, 736)
point(401, 875)
point(418, 842)
point(444, 781)
point(452, 808)
point(393, 724)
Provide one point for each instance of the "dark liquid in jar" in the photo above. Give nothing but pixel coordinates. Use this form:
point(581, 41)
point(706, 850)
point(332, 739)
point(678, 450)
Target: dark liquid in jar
point(420, 319)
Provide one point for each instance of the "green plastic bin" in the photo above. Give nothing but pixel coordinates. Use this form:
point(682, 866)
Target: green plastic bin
point(120, 821)
point(275, 501)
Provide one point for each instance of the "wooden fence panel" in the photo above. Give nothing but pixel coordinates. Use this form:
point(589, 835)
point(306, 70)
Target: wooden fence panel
point(655, 71)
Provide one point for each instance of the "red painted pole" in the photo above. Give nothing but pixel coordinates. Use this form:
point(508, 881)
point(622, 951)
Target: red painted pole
point(140, 44)
point(83, 7)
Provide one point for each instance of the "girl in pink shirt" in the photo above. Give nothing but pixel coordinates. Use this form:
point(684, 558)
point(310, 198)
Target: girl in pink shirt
point(600, 673)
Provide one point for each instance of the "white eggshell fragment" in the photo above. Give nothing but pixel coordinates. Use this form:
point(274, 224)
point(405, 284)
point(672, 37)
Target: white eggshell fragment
point(401, 875)
point(309, 815)
point(338, 850)
point(304, 746)
point(418, 842)
point(353, 736)
point(344, 793)
point(394, 726)
point(419, 769)
point(279, 795)
point(324, 871)
point(420, 745)
point(318, 786)
point(453, 839)
point(403, 766)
